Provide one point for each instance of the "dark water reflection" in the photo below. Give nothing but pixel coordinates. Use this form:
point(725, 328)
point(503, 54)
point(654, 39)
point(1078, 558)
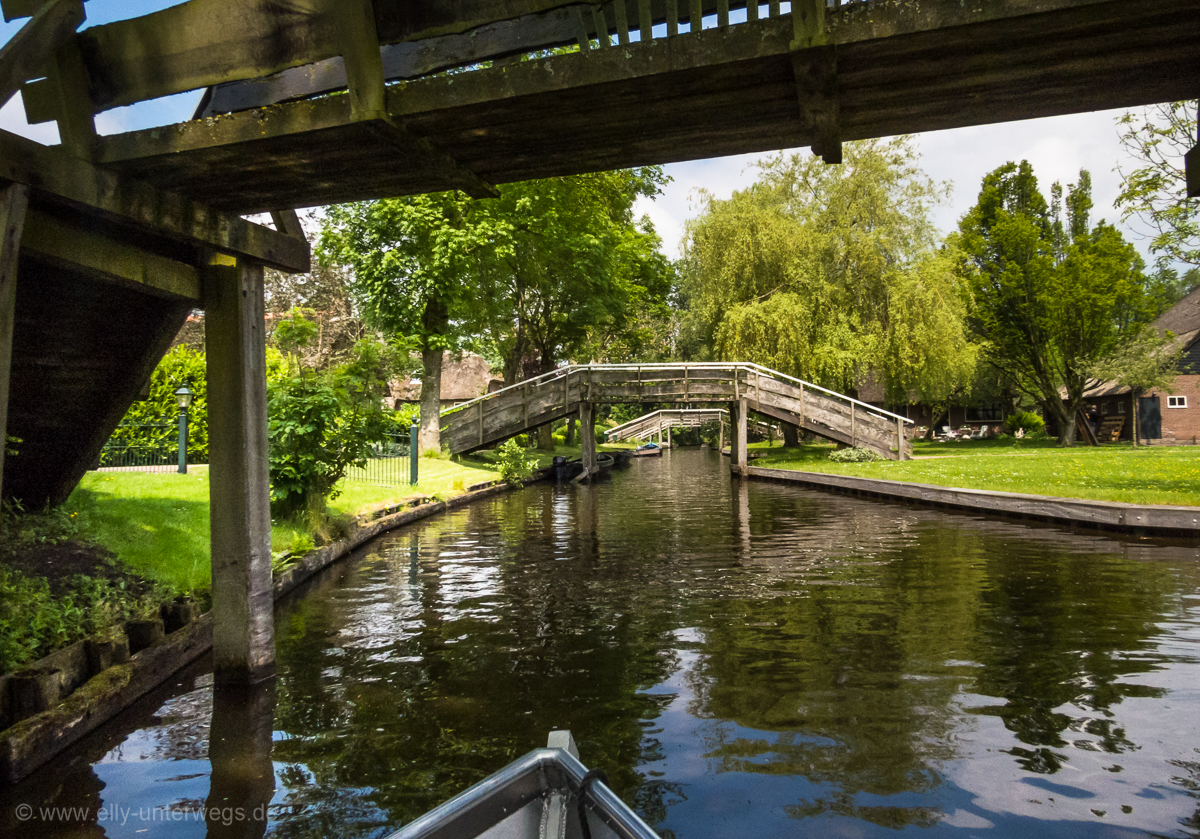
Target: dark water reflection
point(741, 661)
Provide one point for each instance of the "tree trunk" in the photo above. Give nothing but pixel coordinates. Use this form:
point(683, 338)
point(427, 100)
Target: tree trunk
point(430, 436)
point(791, 436)
point(1134, 394)
point(1064, 419)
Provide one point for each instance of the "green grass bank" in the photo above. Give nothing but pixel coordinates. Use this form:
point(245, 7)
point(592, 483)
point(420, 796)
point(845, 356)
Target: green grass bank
point(1120, 473)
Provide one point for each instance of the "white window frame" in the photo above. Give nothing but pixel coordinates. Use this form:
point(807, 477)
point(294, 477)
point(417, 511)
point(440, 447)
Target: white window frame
point(1176, 401)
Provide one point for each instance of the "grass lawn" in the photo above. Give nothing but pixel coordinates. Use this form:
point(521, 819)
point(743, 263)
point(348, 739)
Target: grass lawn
point(1146, 475)
point(157, 523)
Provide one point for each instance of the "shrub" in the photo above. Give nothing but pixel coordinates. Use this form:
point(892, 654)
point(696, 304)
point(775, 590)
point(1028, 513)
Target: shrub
point(181, 366)
point(321, 422)
point(855, 455)
point(514, 466)
point(1026, 421)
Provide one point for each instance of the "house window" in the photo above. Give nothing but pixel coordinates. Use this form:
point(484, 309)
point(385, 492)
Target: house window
point(1176, 401)
point(1120, 407)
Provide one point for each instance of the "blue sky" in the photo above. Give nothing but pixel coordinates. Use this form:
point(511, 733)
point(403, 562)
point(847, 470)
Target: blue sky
point(1058, 148)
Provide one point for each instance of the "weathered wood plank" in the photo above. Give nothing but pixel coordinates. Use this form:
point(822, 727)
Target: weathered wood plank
point(127, 201)
point(670, 90)
point(14, 198)
point(107, 259)
point(239, 495)
point(24, 57)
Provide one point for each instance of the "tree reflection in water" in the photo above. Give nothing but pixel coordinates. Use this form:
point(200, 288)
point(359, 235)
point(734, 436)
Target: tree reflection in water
point(736, 657)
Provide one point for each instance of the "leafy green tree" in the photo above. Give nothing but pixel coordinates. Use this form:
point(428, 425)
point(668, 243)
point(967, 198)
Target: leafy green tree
point(580, 277)
point(1156, 189)
point(322, 421)
point(830, 273)
point(415, 270)
point(1049, 298)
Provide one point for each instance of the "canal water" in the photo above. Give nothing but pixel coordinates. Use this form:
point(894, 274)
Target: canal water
point(742, 660)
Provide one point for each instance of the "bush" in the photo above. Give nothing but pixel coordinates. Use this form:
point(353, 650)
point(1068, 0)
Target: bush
point(514, 466)
point(855, 455)
point(181, 366)
point(321, 422)
point(1026, 421)
point(35, 622)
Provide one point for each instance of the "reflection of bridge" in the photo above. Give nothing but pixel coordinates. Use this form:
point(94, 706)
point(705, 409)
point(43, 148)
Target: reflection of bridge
point(117, 238)
point(743, 387)
point(659, 422)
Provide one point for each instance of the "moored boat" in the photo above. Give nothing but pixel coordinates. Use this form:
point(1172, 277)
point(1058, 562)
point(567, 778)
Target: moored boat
point(546, 793)
point(648, 450)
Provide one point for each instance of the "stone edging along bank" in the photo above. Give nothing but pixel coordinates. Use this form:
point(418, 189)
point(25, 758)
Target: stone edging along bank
point(31, 742)
point(1140, 519)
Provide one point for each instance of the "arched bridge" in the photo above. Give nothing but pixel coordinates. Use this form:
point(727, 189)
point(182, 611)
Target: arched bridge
point(742, 386)
point(660, 422)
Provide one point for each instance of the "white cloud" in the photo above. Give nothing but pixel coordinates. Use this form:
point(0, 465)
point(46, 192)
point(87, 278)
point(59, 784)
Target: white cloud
point(12, 118)
point(1057, 147)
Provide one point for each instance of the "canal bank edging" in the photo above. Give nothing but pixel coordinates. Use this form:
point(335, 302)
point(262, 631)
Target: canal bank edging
point(1138, 519)
point(32, 742)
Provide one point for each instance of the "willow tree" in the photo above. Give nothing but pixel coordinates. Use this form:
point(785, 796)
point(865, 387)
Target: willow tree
point(831, 274)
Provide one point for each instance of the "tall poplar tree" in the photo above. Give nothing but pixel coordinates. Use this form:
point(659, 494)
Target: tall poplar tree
point(1050, 297)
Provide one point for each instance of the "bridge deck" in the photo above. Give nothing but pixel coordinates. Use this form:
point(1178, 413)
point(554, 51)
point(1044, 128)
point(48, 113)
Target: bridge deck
point(899, 67)
point(517, 409)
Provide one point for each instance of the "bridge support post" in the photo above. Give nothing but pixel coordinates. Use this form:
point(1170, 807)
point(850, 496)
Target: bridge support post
point(743, 457)
point(239, 493)
point(587, 436)
point(13, 201)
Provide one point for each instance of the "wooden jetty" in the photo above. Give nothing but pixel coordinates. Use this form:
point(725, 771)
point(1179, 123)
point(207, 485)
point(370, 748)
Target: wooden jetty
point(743, 387)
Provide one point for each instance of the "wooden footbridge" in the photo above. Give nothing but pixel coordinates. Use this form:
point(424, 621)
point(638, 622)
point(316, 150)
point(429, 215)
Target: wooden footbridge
point(116, 238)
point(743, 387)
point(661, 422)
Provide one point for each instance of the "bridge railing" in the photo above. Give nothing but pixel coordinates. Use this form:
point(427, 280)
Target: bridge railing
point(557, 393)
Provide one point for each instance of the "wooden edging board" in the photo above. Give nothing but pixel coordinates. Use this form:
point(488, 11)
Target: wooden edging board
point(1141, 519)
point(33, 741)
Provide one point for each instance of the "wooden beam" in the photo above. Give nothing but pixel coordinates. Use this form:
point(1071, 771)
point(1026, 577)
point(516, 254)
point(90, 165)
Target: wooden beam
point(24, 56)
point(288, 223)
point(107, 259)
point(360, 57)
point(815, 69)
point(407, 60)
point(1191, 164)
point(239, 494)
point(395, 134)
point(14, 199)
point(126, 201)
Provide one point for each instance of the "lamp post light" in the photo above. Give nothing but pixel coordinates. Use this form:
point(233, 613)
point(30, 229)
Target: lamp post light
point(184, 397)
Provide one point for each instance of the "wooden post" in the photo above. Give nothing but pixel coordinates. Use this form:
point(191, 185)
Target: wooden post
point(668, 436)
point(587, 436)
point(743, 456)
point(720, 434)
point(13, 201)
point(239, 494)
point(900, 439)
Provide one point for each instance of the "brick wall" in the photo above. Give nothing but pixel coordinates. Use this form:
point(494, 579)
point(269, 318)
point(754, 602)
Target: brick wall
point(1181, 425)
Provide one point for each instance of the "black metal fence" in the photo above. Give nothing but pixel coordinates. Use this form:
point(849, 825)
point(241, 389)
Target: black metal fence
point(389, 464)
point(151, 447)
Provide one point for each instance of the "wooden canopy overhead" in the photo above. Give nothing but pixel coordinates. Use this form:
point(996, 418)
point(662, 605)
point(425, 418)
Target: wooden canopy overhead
point(443, 94)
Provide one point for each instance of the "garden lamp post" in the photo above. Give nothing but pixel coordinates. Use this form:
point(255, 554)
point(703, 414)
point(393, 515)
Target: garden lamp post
point(184, 397)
